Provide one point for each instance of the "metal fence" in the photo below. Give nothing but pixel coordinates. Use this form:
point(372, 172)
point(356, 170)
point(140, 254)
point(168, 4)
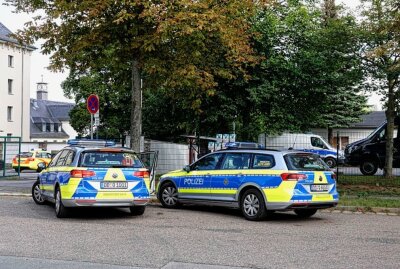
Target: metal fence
point(349, 153)
point(10, 148)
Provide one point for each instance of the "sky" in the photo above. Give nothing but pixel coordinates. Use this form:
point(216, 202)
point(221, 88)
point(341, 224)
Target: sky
point(40, 62)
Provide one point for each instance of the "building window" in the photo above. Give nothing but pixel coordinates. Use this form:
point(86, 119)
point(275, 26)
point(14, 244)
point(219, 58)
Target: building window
point(9, 113)
point(56, 127)
point(10, 86)
point(10, 61)
point(48, 128)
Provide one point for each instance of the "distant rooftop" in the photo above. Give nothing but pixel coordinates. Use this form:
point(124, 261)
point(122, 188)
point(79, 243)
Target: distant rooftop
point(371, 120)
point(6, 37)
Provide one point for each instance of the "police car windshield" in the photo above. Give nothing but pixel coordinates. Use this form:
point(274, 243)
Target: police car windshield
point(305, 162)
point(104, 159)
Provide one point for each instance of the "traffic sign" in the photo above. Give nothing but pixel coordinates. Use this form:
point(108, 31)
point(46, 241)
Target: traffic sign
point(92, 104)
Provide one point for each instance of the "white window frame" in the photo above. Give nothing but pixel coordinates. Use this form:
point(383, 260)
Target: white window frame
point(9, 113)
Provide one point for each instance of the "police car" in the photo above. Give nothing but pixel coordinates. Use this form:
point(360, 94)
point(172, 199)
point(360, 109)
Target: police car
point(93, 173)
point(255, 180)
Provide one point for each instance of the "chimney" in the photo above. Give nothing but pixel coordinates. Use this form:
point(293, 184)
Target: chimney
point(41, 91)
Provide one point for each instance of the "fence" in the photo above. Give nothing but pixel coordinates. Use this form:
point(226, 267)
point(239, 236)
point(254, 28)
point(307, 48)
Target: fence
point(10, 147)
point(345, 155)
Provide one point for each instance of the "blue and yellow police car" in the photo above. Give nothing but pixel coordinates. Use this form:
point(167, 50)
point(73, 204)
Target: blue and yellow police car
point(257, 181)
point(93, 173)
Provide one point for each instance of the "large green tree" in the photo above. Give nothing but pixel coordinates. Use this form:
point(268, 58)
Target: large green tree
point(311, 71)
point(381, 54)
point(182, 45)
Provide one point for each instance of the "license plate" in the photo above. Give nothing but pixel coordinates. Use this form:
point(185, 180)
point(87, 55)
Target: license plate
point(114, 185)
point(319, 188)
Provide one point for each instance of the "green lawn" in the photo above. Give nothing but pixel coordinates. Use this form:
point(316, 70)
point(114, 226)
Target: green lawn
point(369, 191)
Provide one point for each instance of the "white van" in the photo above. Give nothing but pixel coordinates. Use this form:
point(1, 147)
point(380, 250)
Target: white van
point(304, 142)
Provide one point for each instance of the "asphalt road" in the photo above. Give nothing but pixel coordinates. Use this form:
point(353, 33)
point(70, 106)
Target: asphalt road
point(193, 237)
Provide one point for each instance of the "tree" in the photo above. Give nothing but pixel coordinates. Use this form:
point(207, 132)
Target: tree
point(181, 45)
point(311, 70)
point(381, 55)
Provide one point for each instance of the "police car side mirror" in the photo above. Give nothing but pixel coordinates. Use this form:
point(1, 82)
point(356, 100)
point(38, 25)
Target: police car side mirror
point(186, 168)
point(41, 166)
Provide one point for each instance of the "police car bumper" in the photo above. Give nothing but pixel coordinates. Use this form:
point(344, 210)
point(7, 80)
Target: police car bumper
point(105, 203)
point(302, 205)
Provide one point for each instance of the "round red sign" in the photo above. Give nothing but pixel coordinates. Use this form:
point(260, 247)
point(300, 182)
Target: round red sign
point(92, 104)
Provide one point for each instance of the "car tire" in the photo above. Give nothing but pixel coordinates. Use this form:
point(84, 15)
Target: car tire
point(168, 195)
point(368, 167)
point(137, 210)
point(61, 210)
point(39, 169)
point(305, 213)
point(36, 194)
point(331, 162)
point(252, 205)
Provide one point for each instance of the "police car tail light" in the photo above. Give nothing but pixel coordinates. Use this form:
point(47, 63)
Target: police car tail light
point(293, 177)
point(334, 177)
point(141, 174)
point(82, 173)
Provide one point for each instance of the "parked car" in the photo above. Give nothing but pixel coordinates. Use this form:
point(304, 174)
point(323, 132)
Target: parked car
point(31, 160)
point(93, 173)
point(257, 181)
point(370, 153)
point(305, 142)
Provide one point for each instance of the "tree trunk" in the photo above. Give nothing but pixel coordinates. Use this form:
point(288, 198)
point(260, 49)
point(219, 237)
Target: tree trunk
point(136, 102)
point(390, 115)
point(330, 135)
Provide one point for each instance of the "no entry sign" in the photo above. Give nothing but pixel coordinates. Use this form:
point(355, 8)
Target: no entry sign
point(92, 104)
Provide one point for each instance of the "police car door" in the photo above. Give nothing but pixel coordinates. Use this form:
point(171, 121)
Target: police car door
point(227, 180)
point(48, 175)
point(196, 183)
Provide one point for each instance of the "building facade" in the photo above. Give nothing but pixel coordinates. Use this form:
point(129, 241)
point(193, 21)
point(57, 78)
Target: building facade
point(49, 119)
point(14, 86)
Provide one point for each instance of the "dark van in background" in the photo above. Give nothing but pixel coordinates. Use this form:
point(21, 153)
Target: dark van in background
point(369, 153)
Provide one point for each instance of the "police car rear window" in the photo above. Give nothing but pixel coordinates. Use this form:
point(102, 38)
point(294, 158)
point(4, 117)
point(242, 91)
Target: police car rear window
point(110, 159)
point(305, 162)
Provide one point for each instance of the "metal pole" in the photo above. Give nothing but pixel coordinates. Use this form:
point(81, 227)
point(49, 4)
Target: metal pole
point(337, 156)
point(91, 126)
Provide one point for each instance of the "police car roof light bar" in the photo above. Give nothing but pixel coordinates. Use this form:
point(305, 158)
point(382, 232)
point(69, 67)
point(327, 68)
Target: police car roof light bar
point(90, 143)
point(243, 145)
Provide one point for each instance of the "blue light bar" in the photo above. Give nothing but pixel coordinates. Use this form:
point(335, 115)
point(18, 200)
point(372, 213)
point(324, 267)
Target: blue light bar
point(90, 143)
point(242, 145)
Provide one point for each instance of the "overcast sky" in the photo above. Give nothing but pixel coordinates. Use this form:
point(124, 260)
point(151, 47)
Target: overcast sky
point(39, 62)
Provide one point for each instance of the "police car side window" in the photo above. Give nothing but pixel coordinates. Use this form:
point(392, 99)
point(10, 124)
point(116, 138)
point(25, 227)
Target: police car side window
point(69, 158)
point(236, 161)
point(263, 161)
point(209, 162)
point(316, 142)
point(55, 159)
point(61, 159)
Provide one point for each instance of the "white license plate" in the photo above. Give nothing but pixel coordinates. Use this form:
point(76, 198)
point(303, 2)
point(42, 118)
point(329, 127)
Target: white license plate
point(114, 185)
point(319, 188)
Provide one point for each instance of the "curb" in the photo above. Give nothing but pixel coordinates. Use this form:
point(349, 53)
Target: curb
point(337, 209)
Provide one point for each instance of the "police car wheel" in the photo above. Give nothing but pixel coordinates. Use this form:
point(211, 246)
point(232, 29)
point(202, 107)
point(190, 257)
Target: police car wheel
point(37, 195)
point(331, 162)
point(305, 213)
point(169, 195)
point(61, 210)
point(252, 205)
point(137, 210)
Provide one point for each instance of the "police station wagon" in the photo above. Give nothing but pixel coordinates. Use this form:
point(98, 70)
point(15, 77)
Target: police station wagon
point(256, 181)
point(91, 173)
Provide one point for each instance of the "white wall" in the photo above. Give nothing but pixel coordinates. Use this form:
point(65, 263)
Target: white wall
point(19, 99)
point(66, 126)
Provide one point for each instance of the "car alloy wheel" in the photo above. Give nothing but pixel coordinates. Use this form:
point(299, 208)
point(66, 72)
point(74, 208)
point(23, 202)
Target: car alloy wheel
point(36, 194)
point(169, 195)
point(252, 205)
point(61, 210)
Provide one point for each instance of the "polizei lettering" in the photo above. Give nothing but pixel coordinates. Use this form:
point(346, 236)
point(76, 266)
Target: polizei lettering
point(193, 181)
